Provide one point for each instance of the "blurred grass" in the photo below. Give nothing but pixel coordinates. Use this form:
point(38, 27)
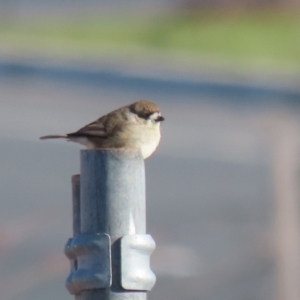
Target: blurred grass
point(271, 37)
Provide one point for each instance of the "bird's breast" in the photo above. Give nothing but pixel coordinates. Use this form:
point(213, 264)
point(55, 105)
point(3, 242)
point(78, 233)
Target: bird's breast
point(150, 142)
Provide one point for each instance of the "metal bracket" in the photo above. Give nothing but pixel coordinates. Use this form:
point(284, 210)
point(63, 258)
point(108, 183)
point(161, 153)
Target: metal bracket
point(135, 262)
point(90, 257)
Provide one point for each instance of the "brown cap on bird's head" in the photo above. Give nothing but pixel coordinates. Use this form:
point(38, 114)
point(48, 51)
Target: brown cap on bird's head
point(145, 108)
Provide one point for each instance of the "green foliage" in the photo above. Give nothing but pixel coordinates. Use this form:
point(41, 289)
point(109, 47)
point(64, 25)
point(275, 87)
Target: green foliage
point(253, 36)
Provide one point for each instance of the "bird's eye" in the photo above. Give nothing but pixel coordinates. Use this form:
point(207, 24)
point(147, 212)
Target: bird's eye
point(154, 117)
point(146, 116)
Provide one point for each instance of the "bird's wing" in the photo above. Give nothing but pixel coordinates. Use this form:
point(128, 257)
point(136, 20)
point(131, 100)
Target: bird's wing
point(95, 128)
point(103, 127)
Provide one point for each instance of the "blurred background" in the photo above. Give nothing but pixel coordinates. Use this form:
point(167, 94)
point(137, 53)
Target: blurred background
point(222, 188)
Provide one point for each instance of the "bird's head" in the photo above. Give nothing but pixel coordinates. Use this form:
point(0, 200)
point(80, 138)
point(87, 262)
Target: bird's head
point(147, 111)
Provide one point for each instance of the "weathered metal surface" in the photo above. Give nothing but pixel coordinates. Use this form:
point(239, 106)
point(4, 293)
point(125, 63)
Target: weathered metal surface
point(135, 262)
point(73, 263)
point(111, 252)
point(92, 251)
point(76, 230)
point(113, 192)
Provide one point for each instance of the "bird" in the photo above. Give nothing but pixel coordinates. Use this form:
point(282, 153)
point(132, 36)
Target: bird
point(136, 125)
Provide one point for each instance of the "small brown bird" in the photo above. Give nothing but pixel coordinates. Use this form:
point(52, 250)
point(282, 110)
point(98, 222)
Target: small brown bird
point(133, 126)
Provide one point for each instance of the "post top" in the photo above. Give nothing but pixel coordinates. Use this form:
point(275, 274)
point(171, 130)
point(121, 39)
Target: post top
point(113, 152)
point(117, 150)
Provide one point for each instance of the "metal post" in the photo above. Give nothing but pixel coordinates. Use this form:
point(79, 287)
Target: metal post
point(76, 231)
point(112, 250)
point(76, 215)
point(76, 204)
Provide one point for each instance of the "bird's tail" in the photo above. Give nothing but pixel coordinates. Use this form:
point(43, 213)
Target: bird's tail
point(53, 136)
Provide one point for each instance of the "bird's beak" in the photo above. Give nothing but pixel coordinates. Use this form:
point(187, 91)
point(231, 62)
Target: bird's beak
point(160, 119)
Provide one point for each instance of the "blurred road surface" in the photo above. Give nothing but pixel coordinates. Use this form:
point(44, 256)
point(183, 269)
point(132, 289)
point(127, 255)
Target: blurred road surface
point(209, 202)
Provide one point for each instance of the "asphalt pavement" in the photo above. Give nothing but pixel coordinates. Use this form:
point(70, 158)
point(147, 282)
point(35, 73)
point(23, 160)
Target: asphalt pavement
point(209, 191)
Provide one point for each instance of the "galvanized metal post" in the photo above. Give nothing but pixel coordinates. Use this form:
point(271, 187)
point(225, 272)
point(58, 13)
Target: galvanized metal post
point(76, 231)
point(76, 204)
point(76, 215)
point(112, 251)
